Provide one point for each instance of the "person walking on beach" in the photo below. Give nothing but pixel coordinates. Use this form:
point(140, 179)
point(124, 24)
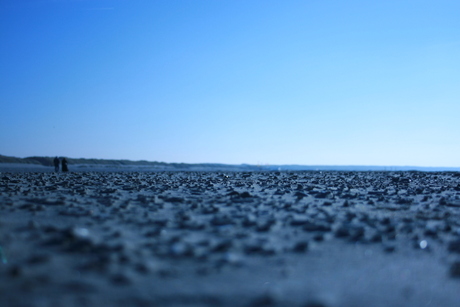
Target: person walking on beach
point(56, 164)
point(64, 165)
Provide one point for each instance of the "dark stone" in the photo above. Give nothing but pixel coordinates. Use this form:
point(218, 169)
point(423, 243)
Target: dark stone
point(299, 221)
point(454, 246)
point(300, 247)
point(454, 270)
point(245, 195)
point(430, 232)
point(318, 237)
point(314, 304)
point(389, 248)
point(222, 246)
point(174, 199)
point(322, 194)
point(376, 237)
point(266, 300)
point(233, 193)
point(38, 259)
point(221, 220)
point(142, 268)
point(249, 220)
point(15, 271)
point(99, 264)
point(310, 226)
point(259, 249)
point(265, 226)
point(79, 287)
point(342, 232)
point(299, 195)
point(120, 279)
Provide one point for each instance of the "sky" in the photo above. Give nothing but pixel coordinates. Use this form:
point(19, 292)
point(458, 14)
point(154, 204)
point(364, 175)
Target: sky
point(262, 82)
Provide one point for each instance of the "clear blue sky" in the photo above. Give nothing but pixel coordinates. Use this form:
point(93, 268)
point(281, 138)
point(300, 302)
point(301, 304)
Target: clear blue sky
point(232, 81)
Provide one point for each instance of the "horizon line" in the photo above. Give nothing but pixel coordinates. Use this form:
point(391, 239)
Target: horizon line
point(249, 164)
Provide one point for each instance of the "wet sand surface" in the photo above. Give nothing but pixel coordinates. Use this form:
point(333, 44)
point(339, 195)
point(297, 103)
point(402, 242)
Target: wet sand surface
point(230, 239)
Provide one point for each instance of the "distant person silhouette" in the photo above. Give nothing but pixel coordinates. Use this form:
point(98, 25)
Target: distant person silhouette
point(64, 165)
point(56, 164)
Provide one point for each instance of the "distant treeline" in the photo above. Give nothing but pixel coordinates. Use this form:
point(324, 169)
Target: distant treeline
point(48, 161)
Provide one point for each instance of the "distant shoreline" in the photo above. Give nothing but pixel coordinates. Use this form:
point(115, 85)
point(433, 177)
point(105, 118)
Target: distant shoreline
point(37, 163)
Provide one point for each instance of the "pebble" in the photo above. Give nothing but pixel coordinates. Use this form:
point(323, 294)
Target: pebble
point(265, 300)
point(222, 220)
point(80, 286)
point(120, 279)
point(314, 304)
point(180, 249)
point(39, 259)
point(454, 246)
point(222, 246)
point(15, 271)
point(245, 195)
point(389, 248)
point(312, 226)
point(455, 269)
point(300, 247)
point(32, 225)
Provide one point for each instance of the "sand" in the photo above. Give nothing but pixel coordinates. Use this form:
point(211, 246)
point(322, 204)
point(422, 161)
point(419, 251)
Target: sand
point(229, 238)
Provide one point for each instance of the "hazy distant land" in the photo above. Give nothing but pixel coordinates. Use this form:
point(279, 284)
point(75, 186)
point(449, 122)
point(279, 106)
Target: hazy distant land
point(81, 164)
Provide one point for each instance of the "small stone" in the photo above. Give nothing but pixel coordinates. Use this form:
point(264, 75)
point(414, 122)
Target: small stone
point(257, 248)
point(167, 272)
point(431, 232)
point(299, 221)
point(100, 264)
point(454, 246)
point(80, 232)
point(156, 231)
point(323, 194)
point(423, 244)
point(265, 300)
point(342, 232)
point(314, 304)
point(180, 249)
point(249, 220)
point(300, 247)
point(39, 259)
point(222, 246)
point(142, 268)
point(318, 237)
point(233, 258)
point(174, 199)
point(32, 225)
point(389, 248)
point(245, 195)
point(455, 269)
point(265, 226)
point(120, 279)
point(310, 226)
point(375, 237)
point(80, 286)
point(15, 271)
point(299, 195)
point(221, 220)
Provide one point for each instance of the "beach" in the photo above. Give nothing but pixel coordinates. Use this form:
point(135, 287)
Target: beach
point(217, 238)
